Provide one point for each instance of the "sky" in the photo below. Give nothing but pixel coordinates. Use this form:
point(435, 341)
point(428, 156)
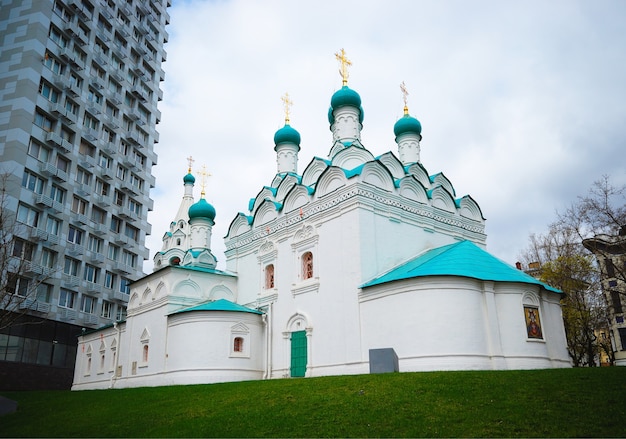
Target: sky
point(522, 104)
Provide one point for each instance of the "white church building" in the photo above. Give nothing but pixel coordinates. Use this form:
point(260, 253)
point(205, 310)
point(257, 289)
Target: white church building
point(358, 257)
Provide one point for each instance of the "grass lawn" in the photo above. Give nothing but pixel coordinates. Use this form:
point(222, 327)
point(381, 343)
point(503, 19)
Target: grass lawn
point(540, 403)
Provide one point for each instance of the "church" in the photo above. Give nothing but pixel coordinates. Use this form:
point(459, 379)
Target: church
point(358, 261)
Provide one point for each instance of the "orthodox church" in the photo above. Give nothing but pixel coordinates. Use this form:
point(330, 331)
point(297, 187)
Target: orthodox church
point(358, 261)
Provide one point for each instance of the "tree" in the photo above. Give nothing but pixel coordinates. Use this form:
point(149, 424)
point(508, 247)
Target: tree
point(561, 261)
point(594, 225)
point(20, 278)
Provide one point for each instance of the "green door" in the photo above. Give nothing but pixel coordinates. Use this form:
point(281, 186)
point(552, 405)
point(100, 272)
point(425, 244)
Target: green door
point(298, 353)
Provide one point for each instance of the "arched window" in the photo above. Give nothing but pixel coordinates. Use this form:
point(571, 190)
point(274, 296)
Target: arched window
point(145, 353)
point(307, 265)
point(238, 344)
point(177, 241)
point(269, 277)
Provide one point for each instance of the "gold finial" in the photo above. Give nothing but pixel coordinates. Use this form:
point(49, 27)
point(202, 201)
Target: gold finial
point(204, 175)
point(345, 62)
point(190, 160)
point(405, 93)
point(287, 103)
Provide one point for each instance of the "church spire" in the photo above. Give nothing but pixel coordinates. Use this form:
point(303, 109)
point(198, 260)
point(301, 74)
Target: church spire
point(287, 143)
point(408, 133)
point(345, 63)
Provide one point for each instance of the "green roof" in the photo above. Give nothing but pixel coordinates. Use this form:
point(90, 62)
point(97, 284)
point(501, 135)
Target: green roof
point(220, 305)
point(463, 259)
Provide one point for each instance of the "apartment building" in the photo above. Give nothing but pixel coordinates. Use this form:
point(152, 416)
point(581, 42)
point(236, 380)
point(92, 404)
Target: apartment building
point(79, 93)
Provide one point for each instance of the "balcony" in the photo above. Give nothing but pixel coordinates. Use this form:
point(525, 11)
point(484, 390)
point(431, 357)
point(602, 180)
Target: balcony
point(42, 200)
point(52, 241)
point(100, 229)
point(79, 219)
point(82, 189)
point(96, 83)
point(75, 249)
point(90, 135)
point(119, 296)
point(35, 306)
point(90, 319)
point(87, 161)
point(54, 138)
point(47, 169)
point(93, 287)
point(128, 214)
point(57, 207)
point(97, 258)
point(70, 281)
point(61, 175)
point(110, 122)
point(122, 268)
point(106, 173)
point(73, 89)
point(67, 314)
point(36, 234)
point(101, 200)
point(121, 240)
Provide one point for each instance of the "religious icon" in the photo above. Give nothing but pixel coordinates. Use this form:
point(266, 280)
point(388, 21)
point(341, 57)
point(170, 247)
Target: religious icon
point(533, 324)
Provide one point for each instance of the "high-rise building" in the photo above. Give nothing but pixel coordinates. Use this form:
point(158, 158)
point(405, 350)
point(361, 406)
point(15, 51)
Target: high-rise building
point(79, 90)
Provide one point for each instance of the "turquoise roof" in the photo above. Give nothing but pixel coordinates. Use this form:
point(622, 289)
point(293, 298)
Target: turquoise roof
point(463, 259)
point(342, 98)
point(189, 179)
point(286, 134)
point(407, 124)
point(220, 305)
point(202, 209)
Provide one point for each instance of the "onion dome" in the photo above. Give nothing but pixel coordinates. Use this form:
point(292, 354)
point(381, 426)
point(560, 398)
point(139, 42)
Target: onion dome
point(342, 98)
point(201, 209)
point(407, 124)
point(287, 134)
point(189, 179)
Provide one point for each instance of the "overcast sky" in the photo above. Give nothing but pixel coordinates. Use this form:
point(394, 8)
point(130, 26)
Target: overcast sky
point(522, 103)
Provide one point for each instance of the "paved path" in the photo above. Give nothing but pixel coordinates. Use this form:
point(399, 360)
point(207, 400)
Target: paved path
point(7, 405)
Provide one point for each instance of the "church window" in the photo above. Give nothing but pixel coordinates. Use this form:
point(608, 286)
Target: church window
point(238, 344)
point(177, 241)
point(307, 265)
point(175, 261)
point(269, 277)
point(145, 353)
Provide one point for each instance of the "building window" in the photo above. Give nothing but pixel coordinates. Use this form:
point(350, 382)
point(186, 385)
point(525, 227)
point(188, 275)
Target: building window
point(91, 273)
point(48, 92)
point(269, 277)
point(57, 194)
point(98, 215)
point(87, 304)
point(75, 235)
point(66, 299)
point(125, 286)
point(145, 351)
point(23, 249)
point(113, 252)
point(53, 226)
point(129, 258)
point(71, 266)
point(48, 258)
point(18, 285)
point(95, 244)
point(79, 206)
point(238, 344)
point(33, 182)
point(120, 313)
point(616, 301)
point(53, 64)
point(132, 232)
point(533, 323)
point(44, 122)
point(307, 265)
point(116, 224)
point(107, 310)
point(109, 280)
point(41, 153)
point(27, 216)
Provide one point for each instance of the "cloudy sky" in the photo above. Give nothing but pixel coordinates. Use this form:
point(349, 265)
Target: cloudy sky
point(522, 104)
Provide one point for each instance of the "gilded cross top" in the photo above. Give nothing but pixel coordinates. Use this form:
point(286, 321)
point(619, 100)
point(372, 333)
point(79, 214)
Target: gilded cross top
point(190, 160)
point(345, 62)
point(405, 93)
point(203, 179)
point(287, 103)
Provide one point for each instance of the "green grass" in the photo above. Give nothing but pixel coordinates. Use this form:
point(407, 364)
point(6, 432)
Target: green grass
point(542, 403)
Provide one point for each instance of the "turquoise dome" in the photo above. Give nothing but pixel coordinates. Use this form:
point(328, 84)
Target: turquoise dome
point(287, 135)
point(342, 98)
point(407, 124)
point(201, 209)
point(189, 179)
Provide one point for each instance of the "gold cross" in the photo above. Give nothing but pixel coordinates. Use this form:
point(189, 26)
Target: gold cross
point(405, 93)
point(287, 103)
point(345, 62)
point(204, 175)
point(190, 160)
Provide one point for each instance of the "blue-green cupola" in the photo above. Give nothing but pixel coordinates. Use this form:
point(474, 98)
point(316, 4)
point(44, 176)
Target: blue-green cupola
point(189, 178)
point(408, 131)
point(286, 134)
point(345, 97)
point(202, 209)
point(407, 124)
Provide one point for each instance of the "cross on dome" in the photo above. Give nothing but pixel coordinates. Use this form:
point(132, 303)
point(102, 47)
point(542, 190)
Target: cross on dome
point(405, 93)
point(345, 62)
point(287, 103)
point(190, 160)
point(203, 177)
